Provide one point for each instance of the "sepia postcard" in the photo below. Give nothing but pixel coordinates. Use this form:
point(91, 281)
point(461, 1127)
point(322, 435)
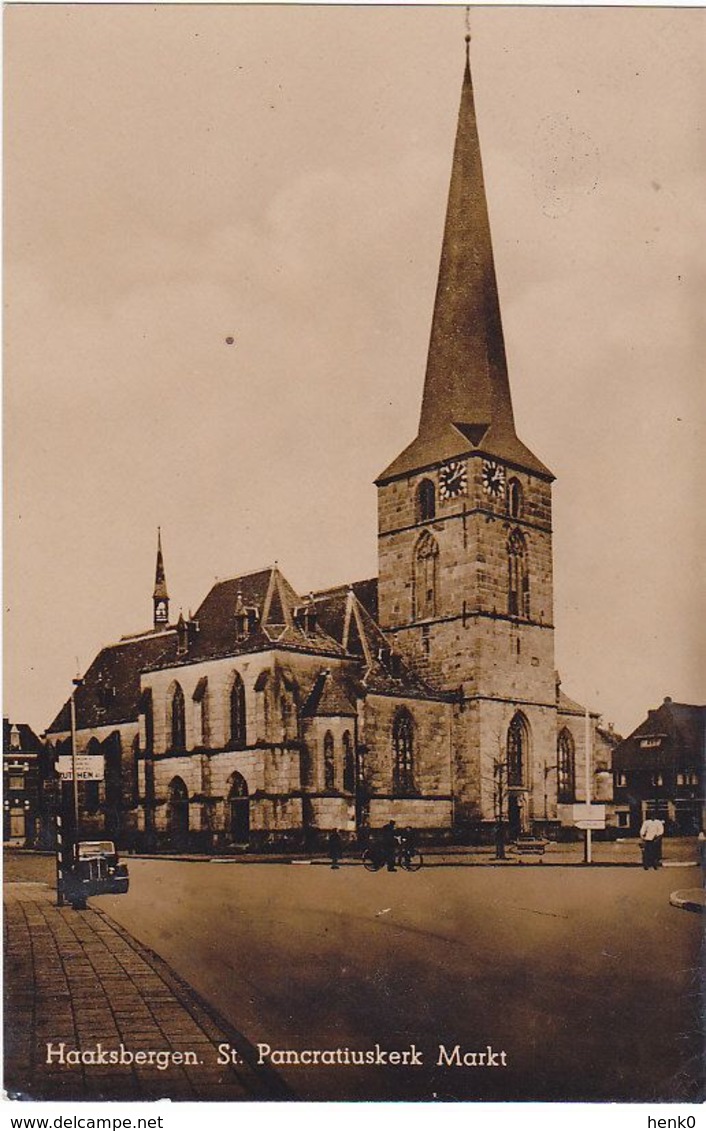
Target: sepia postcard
point(354, 732)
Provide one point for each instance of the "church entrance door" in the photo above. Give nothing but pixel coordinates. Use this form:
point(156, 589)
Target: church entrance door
point(239, 810)
point(514, 816)
point(178, 814)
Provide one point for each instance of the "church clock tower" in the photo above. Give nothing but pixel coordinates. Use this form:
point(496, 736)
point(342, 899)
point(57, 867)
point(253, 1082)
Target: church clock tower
point(464, 525)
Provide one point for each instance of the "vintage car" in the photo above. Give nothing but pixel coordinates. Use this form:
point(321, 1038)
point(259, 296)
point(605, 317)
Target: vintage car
point(98, 870)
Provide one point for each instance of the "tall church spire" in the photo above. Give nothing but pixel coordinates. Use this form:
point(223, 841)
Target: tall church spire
point(466, 404)
point(160, 596)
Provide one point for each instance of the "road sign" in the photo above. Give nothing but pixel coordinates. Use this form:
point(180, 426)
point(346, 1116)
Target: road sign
point(583, 816)
point(89, 767)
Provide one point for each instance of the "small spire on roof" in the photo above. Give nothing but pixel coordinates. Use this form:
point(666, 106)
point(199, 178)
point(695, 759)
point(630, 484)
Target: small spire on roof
point(160, 596)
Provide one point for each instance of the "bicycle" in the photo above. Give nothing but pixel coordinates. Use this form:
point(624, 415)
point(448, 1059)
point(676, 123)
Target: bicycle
point(409, 859)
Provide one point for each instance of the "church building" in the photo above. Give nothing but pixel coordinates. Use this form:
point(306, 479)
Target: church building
point(427, 695)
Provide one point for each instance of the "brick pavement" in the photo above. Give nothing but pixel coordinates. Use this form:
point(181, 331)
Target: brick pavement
point(77, 977)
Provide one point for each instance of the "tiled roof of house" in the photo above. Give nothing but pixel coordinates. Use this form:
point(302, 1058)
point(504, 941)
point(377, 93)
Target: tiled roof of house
point(679, 731)
point(29, 741)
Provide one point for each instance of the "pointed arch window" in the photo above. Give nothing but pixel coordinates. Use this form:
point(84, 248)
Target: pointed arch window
point(518, 576)
point(403, 751)
point(348, 763)
point(517, 751)
point(426, 501)
point(178, 719)
point(566, 767)
point(237, 713)
point(426, 557)
point(514, 498)
point(200, 698)
point(329, 762)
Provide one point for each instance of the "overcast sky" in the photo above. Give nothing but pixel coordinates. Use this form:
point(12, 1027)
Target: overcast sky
point(175, 176)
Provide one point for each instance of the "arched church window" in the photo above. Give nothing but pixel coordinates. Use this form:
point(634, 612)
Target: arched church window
point(566, 767)
point(426, 501)
point(517, 750)
point(403, 750)
point(348, 763)
point(200, 698)
point(518, 576)
point(514, 498)
point(237, 712)
point(178, 719)
point(329, 762)
point(425, 577)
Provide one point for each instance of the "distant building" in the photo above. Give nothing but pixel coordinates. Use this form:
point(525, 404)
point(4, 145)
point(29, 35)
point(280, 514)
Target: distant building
point(658, 770)
point(427, 695)
point(23, 763)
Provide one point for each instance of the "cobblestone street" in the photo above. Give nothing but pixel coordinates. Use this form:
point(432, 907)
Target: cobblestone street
point(79, 978)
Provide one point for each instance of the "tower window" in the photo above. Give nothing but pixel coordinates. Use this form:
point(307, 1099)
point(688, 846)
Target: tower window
point(426, 501)
point(518, 576)
point(517, 744)
point(514, 498)
point(200, 698)
point(403, 747)
point(425, 571)
point(426, 642)
point(566, 767)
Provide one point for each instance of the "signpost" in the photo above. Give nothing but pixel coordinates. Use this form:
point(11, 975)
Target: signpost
point(87, 767)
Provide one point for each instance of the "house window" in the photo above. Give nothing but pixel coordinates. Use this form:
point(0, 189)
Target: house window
point(621, 779)
point(623, 820)
point(514, 498)
point(426, 501)
point(16, 781)
point(403, 749)
point(518, 576)
point(348, 763)
point(566, 768)
point(517, 744)
point(657, 779)
point(237, 713)
point(329, 762)
point(681, 779)
point(425, 571)
point(178, 719)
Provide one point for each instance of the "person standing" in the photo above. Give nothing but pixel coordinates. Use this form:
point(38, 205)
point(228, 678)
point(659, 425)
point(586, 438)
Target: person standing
point(335, 847)
point(648, 834)
point(658, 826)
point(389, 846)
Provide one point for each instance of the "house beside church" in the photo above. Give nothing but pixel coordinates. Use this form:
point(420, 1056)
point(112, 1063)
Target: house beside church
point(427, 695)
point(660, 770)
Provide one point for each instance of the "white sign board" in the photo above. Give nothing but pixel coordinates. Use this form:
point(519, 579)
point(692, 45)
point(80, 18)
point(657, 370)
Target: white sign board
point(583, 816)
point(89, 767)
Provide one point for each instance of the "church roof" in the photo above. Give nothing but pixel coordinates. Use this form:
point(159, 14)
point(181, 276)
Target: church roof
point(110, 691)
point(274, 605)
point(467, 406)
point(344, 617)
point(331, 696)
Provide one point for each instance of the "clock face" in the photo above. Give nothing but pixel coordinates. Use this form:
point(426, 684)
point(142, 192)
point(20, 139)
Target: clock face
point(493, 478)
point(452, 480)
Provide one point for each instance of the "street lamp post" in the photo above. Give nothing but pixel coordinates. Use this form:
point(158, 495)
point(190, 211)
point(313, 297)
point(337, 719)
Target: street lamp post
point(74, 765)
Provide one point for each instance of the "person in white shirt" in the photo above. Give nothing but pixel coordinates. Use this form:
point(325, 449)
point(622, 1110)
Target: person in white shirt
point(651, 835)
